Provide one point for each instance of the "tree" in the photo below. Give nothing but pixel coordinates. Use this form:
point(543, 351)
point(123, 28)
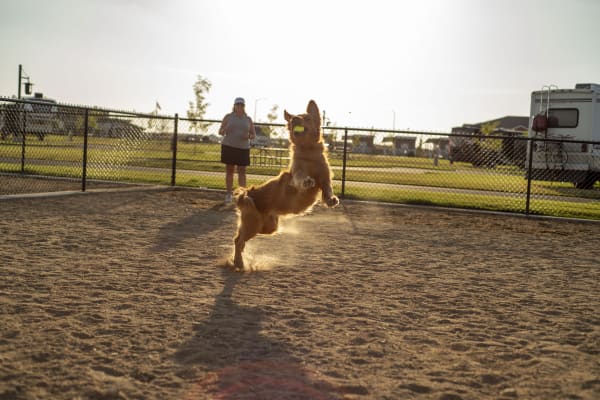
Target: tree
point(488, 129)
point(269, 131)
point(92, 122)
point(326, 121)
point(272, 115)
point(329, 135)
point(419, 150)
point(157, 125)
point(198, 108)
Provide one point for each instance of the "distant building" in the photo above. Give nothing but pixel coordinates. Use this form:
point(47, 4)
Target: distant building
point(402, 145)
point(462, 147)
point(260, 138)
point(363, 144)
point(510, 122)
point(117, 127)
point(330, 140)
point(441, 146)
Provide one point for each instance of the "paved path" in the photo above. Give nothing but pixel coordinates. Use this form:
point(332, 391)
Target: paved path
point(348, 184)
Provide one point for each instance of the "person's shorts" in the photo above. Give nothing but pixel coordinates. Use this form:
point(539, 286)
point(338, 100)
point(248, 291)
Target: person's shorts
point(234, 156)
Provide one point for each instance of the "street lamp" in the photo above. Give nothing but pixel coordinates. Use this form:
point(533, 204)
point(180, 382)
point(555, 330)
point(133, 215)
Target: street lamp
point(255, 102)
point(28, 85)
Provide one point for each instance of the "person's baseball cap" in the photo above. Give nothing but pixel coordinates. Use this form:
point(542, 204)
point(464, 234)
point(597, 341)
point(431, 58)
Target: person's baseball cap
point(239, 100)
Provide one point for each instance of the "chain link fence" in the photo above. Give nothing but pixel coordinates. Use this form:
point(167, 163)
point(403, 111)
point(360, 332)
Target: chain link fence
point(53, 147)
point(472, 171)
point(48, 147)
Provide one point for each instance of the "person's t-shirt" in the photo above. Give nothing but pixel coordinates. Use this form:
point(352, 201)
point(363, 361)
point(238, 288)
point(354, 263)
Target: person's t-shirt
point(236, 133)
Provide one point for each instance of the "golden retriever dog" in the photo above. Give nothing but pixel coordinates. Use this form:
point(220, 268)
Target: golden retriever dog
point(294, 191)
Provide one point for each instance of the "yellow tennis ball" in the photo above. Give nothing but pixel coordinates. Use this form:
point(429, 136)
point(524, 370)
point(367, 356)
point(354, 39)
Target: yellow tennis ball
point(299, 129)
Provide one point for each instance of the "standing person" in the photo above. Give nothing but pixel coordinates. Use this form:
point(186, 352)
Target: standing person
point(237, 130)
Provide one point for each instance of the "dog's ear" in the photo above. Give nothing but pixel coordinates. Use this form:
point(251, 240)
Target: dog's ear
point(287, 115)
point(315, 115)
point(314, 112)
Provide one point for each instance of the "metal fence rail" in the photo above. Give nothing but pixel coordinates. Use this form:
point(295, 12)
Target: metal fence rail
point(61, 147)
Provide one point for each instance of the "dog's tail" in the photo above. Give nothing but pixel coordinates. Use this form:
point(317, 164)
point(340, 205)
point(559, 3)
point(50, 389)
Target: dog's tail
point(242, 200)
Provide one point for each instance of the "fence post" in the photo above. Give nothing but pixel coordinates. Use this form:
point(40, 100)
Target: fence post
point(85, 149)
point(344, 163)
point(174, 165)
point(23, 139)
point(529, 164)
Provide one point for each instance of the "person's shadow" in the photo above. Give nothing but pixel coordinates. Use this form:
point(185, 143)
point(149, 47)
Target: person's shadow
point(240, 359)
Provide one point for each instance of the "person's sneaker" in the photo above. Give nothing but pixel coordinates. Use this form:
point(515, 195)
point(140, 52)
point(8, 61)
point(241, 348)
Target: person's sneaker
point(228, 198)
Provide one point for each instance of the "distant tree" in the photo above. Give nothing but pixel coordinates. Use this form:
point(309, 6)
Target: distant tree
point(198, 107)
point(419, 150)
point(329, 135)
point(488, 129)
point(92, 122)
point(326, 121)
point(272, 115)
point(157, 125)
point(270, 131)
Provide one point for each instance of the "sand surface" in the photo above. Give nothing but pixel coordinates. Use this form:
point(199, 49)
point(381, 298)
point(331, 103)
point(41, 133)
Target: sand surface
point(11, 184)
point(122, 296)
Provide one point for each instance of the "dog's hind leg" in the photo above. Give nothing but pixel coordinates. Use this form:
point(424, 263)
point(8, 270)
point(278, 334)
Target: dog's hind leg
point(240, 243)
point(270, 224)
point(247, 230)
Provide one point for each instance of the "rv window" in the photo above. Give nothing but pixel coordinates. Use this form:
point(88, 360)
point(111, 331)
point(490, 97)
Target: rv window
point(563, 117)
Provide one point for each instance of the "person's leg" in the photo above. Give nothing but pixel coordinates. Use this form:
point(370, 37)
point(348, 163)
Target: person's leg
point(229, 170)
point(241, 169)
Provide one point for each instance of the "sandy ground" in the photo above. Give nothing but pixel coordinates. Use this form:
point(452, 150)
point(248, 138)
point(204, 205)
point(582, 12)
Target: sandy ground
point(122, 296)
point(12, 185)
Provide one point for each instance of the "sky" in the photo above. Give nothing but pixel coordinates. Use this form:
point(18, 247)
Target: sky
point(422, 65)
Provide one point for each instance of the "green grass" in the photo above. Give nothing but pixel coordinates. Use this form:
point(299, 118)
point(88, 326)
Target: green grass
point(198, 166)
point(589, 210)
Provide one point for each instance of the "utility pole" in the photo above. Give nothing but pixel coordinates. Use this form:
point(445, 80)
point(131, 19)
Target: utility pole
point(28, 84)
point(255, 102)
point(20, 73)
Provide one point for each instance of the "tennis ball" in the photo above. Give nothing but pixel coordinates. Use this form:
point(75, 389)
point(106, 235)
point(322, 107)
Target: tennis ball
point(299, 129)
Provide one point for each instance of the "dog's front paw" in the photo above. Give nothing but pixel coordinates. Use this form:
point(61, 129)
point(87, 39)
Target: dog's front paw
point(332, 201)
point(308, 183)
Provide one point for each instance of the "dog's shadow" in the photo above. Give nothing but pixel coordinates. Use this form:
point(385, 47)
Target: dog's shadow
point(195, 225)
point(240, 359)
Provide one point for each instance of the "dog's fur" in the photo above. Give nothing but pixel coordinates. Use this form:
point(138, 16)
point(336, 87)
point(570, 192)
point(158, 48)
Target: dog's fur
point(294, 191)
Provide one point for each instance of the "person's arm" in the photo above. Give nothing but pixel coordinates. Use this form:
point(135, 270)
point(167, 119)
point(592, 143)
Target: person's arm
point(252, 133)
point(223, 126)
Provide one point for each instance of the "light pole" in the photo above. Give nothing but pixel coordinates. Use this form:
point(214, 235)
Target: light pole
point(255, 102)
point(393, 120)
point(27, 84)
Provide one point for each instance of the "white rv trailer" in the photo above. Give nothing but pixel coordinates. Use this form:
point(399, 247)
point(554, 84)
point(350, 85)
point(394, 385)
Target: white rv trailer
point(38, 117)
point(571, 116)
point(41, 116)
